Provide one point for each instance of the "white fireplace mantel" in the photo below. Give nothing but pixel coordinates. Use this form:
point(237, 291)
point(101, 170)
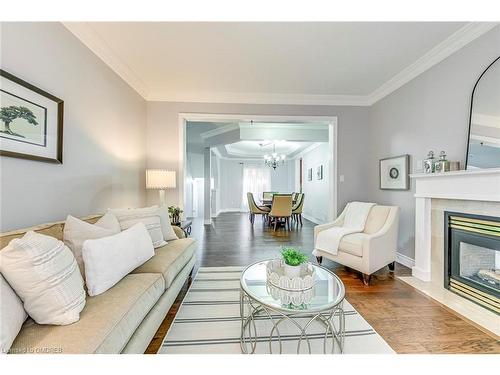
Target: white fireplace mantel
point(472, 185)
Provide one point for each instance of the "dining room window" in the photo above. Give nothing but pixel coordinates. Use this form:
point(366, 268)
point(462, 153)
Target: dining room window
point(256, 180)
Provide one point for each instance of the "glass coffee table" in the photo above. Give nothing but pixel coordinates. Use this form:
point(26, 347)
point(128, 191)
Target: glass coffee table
point(319, 305)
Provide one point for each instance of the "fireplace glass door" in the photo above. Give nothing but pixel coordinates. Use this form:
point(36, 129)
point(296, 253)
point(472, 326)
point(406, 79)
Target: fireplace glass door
point(479, 265)
point(472, 258)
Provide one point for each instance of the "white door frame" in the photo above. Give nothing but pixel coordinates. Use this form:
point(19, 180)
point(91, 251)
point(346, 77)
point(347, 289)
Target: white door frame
point(183, 118)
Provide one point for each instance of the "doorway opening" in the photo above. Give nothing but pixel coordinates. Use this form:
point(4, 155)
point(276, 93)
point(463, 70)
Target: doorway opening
point(285, 154)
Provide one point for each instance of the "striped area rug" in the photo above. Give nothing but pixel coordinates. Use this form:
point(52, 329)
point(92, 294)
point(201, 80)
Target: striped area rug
point(208, 321)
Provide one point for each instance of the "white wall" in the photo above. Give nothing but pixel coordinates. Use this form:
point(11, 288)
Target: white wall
point(104, 131)
point(231, 184)
point(316, 192)
point(431, 112)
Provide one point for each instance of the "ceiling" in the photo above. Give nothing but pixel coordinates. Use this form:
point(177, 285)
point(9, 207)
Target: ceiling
point(351, 63)
point(289, 139)
point(257, 149)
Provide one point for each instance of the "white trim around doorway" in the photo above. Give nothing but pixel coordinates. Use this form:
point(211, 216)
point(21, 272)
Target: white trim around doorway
point(183, 118)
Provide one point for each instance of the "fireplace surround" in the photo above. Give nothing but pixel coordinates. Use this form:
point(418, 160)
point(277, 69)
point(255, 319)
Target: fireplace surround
point(472, 192)
point(472, 258)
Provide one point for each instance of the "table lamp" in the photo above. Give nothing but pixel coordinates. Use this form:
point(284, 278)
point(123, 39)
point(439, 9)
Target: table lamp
point(160, 179)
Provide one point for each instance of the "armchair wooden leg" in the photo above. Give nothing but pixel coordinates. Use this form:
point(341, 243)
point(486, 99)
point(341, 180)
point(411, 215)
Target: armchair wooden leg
point(392, 266)
point(300, 218)
point(366, 279)
point(319, 260)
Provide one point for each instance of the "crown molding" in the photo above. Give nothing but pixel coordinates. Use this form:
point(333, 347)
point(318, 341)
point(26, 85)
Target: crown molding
point(259, 98)
point(218, 131)
point(447, 47)
point(281, 126)
point(91, 39)
point(486, 120)
point(456, 41)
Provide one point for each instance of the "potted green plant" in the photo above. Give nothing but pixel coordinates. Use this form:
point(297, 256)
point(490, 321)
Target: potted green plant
point(175, 214)
point(293, 260)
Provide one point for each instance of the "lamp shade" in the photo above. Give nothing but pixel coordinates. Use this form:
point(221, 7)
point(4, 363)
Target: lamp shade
point(160, 179)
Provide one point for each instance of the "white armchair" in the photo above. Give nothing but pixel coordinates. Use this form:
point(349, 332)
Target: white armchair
point(370, 250)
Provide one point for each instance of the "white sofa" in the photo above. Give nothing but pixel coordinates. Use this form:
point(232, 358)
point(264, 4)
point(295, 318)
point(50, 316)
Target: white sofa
point(123, 319)
point(370, 250)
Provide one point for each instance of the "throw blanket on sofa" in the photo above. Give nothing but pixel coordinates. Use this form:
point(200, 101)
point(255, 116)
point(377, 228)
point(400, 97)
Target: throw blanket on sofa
point(354, 222)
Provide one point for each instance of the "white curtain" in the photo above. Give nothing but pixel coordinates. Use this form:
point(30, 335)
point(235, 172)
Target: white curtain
point(256, 180)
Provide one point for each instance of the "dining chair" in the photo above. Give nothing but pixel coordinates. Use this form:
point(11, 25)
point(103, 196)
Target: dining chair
point(281, 209)
point(267, 195)
point(256, 210)
point(297, 208)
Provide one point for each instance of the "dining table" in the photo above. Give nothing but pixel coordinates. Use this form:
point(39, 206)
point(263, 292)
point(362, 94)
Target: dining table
point(269, 202)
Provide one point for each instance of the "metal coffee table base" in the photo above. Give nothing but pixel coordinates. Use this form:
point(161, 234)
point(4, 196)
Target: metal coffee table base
point(250, 309)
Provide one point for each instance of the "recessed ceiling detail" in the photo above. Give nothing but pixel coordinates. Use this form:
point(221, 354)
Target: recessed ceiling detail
point(327, 63)
point(257, 149)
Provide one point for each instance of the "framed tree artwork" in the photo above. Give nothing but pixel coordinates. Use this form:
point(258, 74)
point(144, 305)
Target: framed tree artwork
point(394, 173)
point(31, 121)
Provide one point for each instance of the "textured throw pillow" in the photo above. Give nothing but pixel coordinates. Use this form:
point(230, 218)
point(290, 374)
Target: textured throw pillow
point(44, 274)
point(76, 231)
point(109, 259)
point(12, 315)
point(151, 217)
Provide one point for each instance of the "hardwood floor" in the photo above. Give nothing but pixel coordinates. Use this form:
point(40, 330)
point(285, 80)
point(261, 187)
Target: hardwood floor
point(408, 320)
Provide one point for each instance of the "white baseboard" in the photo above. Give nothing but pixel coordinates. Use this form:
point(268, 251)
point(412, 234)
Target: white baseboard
point(405, 260)
point(313, 219)
point(231, 210)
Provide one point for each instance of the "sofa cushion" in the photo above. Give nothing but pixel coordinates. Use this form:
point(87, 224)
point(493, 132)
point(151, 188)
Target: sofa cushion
point(352, 244)
point(169, 259)
point(106, 323)
point(49, 229)
point(376, 219)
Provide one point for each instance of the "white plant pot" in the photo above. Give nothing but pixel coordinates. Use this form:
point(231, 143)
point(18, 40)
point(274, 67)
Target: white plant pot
point(292, 271)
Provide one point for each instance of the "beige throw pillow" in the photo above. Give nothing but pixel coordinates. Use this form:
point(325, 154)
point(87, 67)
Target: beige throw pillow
point(77, 231)
point(44, 274)
point(166, 227)
point(151, 217)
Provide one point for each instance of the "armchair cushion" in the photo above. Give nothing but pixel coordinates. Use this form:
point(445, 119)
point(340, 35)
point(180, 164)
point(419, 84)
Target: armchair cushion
point(353, 244)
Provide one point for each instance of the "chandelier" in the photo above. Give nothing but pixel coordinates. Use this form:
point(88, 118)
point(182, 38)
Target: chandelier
point(274, 160)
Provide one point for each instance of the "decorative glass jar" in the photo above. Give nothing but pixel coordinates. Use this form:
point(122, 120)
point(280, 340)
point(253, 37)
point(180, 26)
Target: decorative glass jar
point(430, 163)
point(442, 165)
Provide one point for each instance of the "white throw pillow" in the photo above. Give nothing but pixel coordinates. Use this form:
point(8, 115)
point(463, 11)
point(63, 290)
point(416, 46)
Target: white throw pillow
point(44, 274)
point(166, 226)
point(109, 259)
point(150, 216)
point(12, 315)
point(76, 231)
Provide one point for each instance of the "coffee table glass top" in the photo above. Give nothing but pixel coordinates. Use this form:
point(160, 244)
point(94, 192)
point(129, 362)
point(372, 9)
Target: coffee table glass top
point(327, 292)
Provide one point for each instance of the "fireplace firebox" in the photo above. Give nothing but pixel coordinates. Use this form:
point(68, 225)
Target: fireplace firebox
point(472, 258)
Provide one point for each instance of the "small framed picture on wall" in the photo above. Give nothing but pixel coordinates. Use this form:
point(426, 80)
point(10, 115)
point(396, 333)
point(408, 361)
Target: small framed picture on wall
point(319, 173)
point(394, 173)
point(309, 174)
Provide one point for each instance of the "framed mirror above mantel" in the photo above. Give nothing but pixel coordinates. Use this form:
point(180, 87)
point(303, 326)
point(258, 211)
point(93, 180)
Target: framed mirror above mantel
point(483, 146)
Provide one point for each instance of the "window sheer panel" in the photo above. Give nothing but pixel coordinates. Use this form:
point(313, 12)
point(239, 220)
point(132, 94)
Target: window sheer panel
point(256, 180)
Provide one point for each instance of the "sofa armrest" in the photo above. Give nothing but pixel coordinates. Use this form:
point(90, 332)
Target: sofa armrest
point(179, 232)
